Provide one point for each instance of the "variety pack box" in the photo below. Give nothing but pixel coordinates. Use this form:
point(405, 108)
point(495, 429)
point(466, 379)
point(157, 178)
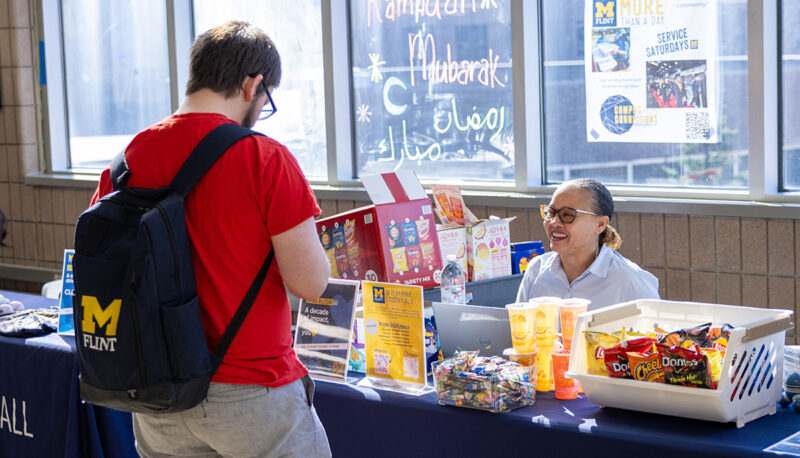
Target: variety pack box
point(394, 240)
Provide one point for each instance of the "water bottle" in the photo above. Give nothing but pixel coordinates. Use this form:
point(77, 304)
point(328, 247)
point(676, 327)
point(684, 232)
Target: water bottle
point(454, 282)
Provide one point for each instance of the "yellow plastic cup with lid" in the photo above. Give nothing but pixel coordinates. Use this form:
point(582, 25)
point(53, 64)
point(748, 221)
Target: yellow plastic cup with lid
point(546, 320)
point(522, 319)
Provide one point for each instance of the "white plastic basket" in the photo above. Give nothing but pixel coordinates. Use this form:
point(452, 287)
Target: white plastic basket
point(752, 370)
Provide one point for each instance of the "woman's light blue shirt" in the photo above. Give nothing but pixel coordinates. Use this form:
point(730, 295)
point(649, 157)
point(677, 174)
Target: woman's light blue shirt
point(610, 279)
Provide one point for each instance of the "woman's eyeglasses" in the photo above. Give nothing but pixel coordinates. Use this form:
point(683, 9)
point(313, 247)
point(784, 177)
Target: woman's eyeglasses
point(269, 109)
point(566, 214)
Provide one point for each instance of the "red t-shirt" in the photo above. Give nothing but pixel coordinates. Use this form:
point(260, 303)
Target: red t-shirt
point(256, 189)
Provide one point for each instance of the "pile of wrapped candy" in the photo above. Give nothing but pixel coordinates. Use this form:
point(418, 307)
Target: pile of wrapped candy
point(688, 357)
point(487, 383)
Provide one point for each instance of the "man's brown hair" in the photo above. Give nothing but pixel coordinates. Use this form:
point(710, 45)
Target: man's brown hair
point(224, 56)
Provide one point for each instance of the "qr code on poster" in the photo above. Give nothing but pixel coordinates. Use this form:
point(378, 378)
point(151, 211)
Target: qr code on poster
point(698, 126)
point(410, 367)
point(381, 363)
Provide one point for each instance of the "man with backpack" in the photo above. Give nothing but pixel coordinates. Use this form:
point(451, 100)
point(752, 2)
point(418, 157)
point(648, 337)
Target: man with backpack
point(253, 199)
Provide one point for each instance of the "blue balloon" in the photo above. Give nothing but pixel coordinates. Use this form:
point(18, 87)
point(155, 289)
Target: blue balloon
point(796, 404)
point(793, 380)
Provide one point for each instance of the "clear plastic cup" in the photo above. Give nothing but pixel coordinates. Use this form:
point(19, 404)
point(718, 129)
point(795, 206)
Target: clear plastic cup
point(522, 319)
point(566, 388)
point(546, 320)
point(526, 360)
point(569, 309)
point(544, 369)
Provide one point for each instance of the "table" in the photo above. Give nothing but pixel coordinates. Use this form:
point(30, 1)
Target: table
point(41, 413)
point(365, 422)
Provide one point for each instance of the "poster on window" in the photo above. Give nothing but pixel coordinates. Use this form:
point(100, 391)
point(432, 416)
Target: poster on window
point(651, 71)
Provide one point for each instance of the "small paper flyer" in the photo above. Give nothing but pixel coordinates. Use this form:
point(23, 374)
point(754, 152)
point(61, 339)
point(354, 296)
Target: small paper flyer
point(395, 337)
point(66, 322)
point(324, 327)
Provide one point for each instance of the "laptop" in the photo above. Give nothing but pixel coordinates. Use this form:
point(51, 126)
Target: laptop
point(472, 327)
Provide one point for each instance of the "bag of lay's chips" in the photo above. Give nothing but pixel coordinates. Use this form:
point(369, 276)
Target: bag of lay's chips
point(596, 344)
point(714, 364)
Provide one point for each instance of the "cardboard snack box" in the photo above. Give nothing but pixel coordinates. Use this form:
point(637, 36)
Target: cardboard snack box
point(489, 248)
point(453, 240)
point(393, 240)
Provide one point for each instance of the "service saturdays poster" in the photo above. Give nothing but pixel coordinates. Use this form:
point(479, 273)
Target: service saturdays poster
point(394, 332)
point(651, 71)
point(324, 327)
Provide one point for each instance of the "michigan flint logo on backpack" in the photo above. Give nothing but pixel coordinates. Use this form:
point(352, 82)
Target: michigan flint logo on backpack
point(141, 344)
point(95, 316)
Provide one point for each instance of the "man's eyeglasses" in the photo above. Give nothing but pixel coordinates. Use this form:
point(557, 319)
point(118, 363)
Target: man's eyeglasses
point(269, 109)
point(566, 214)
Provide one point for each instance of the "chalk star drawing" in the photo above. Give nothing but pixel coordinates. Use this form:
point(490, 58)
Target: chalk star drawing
point(363, 113)
point(375, 67)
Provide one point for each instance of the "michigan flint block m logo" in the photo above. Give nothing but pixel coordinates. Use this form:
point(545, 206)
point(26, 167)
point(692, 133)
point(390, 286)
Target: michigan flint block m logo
point(378, 295)
point(94, 317)
point(604, 15)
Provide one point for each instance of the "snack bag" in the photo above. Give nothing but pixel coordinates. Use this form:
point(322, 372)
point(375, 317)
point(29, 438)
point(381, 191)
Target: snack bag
point(616, 357)
point(423, 230)
point(428, 253)
point(331, 254)
point(646, 367)
point(443, 207)
point(683, 366)
point(349, 232)
point(325, 239)
point(697, 334)
point(718, 337)
point(714, 364)
point(596, 344)
point(342, 263)
point(353, 256)
point(338, 237)
point(400, 264)
point(414, 256)
point(673, 339)
point(409, 233)
point(395, 232)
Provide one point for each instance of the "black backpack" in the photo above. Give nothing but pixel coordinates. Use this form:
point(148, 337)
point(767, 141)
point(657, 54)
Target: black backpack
point(140, 340)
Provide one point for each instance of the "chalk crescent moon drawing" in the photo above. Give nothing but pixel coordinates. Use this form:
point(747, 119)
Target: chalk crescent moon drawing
point(391, 108)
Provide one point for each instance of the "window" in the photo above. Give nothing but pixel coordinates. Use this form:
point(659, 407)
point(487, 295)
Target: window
point(116, 73)
point(790, 38)
point(297, 32)
point(432, 89)
point(371, 86)
point(568, 153)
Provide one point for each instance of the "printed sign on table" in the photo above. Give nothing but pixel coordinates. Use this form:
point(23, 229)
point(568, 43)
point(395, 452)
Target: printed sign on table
point(324, 327)
point(66, 321)
point(395, 337)
point(651, 73)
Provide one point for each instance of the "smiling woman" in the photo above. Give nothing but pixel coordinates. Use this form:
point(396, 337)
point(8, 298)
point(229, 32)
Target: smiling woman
point(583, 261)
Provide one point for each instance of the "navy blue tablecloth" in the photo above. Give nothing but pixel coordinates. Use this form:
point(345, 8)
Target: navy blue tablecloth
point(41, 414)
point(364, 422)
point(42, 372)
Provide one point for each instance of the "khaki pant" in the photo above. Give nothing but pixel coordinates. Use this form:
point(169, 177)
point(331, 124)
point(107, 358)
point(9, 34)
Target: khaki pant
point(238, 421)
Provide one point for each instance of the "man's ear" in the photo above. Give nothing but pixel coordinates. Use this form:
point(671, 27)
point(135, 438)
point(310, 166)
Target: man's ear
point(250, 87)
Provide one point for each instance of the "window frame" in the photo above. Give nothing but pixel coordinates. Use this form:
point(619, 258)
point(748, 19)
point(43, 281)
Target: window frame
point(765, 146)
